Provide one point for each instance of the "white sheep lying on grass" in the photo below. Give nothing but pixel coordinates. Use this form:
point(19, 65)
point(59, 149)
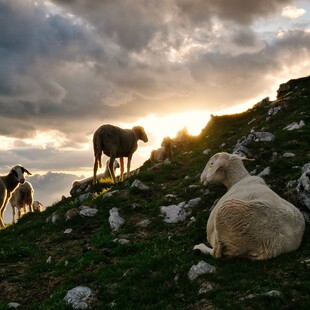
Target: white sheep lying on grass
point(81, 185)
point(165, 151)
point(21, 198)
point(104, 175)
point(250, 220)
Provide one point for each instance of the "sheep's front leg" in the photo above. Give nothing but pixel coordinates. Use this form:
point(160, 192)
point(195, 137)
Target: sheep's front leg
point(13, 209)
point(121, 161)
point(203, 248)
point(1, 221)
point(6, 200)
point(95, 171)
point(128, 165)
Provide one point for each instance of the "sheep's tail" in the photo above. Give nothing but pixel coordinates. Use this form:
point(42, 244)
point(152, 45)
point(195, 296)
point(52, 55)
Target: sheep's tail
point(97, 154)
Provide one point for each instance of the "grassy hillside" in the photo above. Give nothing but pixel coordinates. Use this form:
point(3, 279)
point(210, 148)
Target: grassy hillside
point(39, 263)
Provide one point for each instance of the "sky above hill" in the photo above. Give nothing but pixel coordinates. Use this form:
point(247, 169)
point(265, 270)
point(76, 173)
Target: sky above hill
point(69, 66)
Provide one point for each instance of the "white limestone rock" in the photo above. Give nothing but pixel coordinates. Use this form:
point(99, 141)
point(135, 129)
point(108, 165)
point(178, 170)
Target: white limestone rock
point(200, 269)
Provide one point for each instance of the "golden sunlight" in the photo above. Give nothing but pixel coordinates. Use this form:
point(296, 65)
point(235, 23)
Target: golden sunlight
point(161, 126)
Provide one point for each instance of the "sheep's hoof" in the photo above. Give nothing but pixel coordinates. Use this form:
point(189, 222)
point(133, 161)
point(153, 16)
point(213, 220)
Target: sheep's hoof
point(202, 248)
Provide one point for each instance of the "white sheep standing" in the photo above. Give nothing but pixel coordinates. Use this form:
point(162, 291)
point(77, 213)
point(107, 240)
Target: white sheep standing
point(250, 220)
point(8, 184)
point(116, 142)
point(165, 151)
point(21, 198)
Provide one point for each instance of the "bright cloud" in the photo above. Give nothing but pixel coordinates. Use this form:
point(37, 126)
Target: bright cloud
point(293, 12)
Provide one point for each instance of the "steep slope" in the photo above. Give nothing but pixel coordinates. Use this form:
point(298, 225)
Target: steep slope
point(145, 264)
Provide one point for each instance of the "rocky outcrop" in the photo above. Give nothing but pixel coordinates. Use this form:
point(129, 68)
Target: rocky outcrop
point(301, 85)
point(303, 188)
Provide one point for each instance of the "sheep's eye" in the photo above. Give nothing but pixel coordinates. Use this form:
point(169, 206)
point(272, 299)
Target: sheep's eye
point(211, 165)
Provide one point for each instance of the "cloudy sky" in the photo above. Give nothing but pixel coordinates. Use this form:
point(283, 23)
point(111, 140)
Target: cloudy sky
point(68, 66)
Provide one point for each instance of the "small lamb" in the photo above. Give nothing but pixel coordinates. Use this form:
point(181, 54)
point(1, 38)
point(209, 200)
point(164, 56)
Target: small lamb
point(37, 206)
point(21, 198)
point(250, 220)
point(116, 142)
point(8, 184)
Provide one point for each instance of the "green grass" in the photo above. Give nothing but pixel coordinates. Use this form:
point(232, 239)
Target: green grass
point(151, 271)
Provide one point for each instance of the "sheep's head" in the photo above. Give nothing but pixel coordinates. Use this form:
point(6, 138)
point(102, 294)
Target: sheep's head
point(140, 133)
point(167, 142)
point(37, 206)
point(18, 171)
point(222, 168)
point(115, 164)
point(214, 171)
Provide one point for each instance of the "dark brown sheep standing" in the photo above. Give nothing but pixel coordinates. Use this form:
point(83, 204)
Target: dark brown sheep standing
point(116, 142)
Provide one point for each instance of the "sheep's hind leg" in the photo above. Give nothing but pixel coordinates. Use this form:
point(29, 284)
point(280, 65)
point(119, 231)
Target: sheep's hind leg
point(121, 160)
point(203, 248)
point(128, 165)
point(111, 168)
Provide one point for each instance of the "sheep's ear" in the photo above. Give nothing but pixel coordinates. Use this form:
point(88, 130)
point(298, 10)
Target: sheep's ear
point(248, 159)
point(243, 158)
point(25, 170)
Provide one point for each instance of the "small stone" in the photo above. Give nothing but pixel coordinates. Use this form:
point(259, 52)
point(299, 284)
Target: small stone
point(206, 152)
point(71, 213)
point(170, 197)
point(115, 220)
point(294, 126)
point(121, 241)
point(88, 211)
point(109, 194)
point(84, 197)
point(265, 172)
point(273, 293)
point(205, 287)
point(200, 269)
point(49, 260)
point(53, 218)
point(303, 189)
point(167, 161)
point(288, 155)
point(68, 231)
point(194, 186)
point(138, 184)
point(13, 305)
point(77, 297)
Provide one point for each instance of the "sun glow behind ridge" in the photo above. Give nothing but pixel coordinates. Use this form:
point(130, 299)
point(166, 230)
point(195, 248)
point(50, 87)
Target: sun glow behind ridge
point(160, 126)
